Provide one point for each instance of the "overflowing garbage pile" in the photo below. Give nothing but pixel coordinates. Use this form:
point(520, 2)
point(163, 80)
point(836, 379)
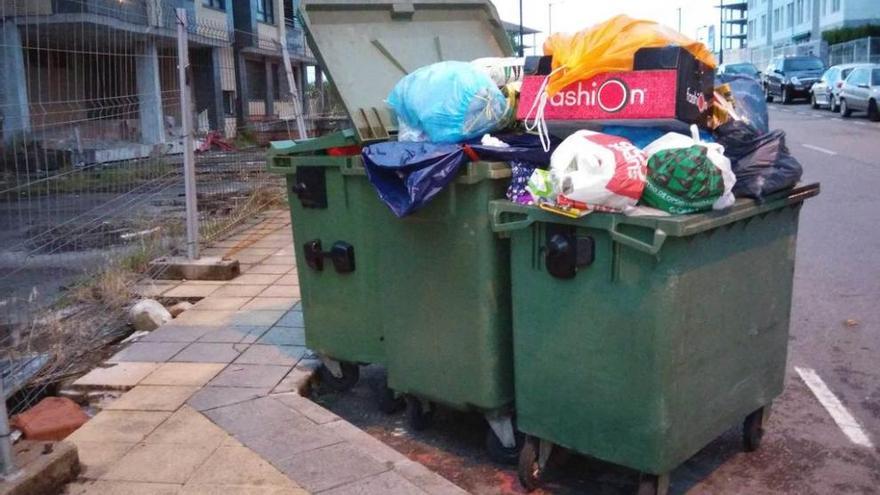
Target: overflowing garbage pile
point(626, 116)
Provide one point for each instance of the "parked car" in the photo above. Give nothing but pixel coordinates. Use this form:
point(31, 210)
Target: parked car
point(792, 77)
point(826, 91)
point(861, 91)
point(740, 69)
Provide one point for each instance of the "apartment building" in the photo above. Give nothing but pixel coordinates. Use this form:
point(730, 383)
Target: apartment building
point(783, 22)
point(100, 77)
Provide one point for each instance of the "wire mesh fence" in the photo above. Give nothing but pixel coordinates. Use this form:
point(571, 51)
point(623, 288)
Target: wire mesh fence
point(863, 50)
point(91, 163)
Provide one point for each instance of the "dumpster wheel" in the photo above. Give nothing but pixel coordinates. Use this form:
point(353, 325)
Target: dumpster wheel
point(350, 375)
point(532, 464)
point(386, 399)
point(653, 484)
point(418, 415)
point(753, 430)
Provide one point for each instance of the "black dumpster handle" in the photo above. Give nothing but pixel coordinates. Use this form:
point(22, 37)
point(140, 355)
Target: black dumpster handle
point(650, 248)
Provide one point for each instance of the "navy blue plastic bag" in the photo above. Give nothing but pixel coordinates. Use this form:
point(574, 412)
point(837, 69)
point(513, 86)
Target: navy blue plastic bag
point(408, 175)
point(523, 148)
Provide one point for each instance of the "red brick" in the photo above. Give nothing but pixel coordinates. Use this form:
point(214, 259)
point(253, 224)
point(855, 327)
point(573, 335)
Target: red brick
point(53, 418)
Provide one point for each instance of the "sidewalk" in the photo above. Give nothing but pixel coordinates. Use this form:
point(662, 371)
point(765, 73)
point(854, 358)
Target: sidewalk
point(213, 403)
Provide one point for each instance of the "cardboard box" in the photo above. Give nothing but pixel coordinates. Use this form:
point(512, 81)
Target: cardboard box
point(668, 86)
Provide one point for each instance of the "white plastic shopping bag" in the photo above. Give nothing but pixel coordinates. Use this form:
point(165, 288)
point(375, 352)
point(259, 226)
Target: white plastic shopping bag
point(599, 169)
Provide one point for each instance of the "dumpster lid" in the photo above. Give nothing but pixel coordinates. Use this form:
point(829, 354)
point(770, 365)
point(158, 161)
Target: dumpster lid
point(366, 46)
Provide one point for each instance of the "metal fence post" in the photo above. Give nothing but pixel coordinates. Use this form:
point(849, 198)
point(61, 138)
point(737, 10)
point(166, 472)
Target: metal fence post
point(186, 117)
point(8, 469)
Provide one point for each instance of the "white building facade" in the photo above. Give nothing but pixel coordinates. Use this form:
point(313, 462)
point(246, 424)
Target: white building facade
point(783, 22)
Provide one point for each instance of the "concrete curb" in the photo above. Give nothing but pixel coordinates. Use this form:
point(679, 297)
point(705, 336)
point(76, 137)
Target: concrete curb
point(46, 467)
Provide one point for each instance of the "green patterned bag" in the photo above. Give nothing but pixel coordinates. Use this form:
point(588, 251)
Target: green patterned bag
point(682, 180)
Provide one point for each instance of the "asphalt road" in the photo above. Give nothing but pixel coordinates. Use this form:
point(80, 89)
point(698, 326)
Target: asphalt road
point(833, 365)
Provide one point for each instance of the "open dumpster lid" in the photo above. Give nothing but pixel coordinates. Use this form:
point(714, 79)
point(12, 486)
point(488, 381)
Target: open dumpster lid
point(366, 46)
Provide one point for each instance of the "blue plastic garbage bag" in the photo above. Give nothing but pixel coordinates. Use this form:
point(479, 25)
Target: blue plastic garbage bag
point(447, 102)
point(751, 102)
point(521, 148)
point(641, 137)
point(408, 175)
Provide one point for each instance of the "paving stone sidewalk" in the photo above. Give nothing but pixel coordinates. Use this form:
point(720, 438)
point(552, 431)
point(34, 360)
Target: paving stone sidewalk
point(213, 402)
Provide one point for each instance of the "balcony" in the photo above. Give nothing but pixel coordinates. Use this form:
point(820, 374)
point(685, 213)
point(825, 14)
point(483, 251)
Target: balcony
point(148, 17)
point(296, 41)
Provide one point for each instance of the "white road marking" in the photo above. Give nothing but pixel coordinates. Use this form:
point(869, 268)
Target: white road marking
point(844, 419)
point(820, 149)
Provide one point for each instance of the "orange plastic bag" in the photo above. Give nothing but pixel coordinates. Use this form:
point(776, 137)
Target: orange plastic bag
point(610, 46)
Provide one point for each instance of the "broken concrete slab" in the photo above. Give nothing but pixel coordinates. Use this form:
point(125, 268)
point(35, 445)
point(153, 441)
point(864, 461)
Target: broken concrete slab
point(206, 268)
point(45, 467)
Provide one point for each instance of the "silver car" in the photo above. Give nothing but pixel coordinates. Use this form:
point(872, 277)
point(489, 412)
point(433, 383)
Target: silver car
point(861, 92)
point(826, 91)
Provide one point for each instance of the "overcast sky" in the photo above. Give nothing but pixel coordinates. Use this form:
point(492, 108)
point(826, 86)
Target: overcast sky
point(574, 15)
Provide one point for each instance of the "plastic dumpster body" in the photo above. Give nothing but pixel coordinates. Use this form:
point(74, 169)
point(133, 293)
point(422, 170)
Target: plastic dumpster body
point(429, 293)
point(331, 203)
point(639, 340)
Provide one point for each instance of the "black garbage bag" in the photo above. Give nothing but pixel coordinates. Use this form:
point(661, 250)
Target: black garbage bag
point(408, 175)
point(761, 162)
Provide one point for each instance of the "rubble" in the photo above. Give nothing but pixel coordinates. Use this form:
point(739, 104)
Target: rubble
point(148, 314)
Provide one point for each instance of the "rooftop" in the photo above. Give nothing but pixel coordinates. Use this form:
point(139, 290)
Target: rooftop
point(513, 27)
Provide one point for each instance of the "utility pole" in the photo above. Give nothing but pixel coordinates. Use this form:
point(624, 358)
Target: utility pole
point(521, 41)
point(721, 32)
point(679, 19)
point(189, 157)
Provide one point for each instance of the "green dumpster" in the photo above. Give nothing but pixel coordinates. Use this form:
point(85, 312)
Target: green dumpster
point(639, 340)
point(335, 215)
point(427, 295)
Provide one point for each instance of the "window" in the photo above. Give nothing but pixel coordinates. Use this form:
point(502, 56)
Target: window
point(843, 74)
point(775, 20)
point(215, 4)
point(835, 6)
point(764, 25)
point(858, 76)
point(751, 30)
point(800, 11)
point(790, 15)
point(824, 7)
point(875, 77)
point(266, 11)
point(229, 103)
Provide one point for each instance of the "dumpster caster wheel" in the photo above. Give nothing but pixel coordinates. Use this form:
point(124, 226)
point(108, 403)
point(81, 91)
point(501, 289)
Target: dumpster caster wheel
point(532, 466)
point(652, 484)
point(508, 456)
point(387, 401)
point(753, 430)
point(418, 416)
point(350, 375)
